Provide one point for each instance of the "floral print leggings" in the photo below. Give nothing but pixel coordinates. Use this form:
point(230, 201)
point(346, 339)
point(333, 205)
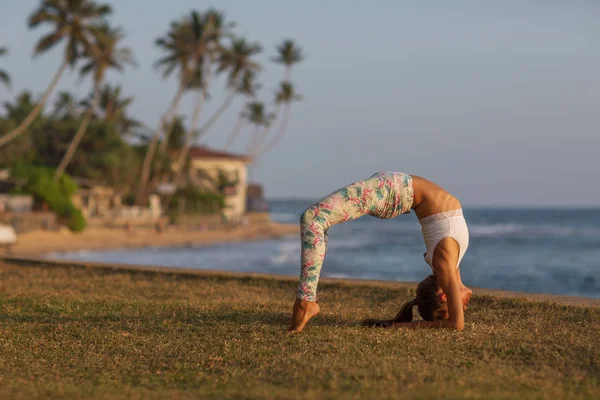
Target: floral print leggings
point(383, 195)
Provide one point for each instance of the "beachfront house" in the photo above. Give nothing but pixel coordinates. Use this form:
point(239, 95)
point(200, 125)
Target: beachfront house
point(96, 201)
point(221, 172)
point(102, 205)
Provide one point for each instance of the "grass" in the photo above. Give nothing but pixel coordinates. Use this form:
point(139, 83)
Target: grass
point(88, 333)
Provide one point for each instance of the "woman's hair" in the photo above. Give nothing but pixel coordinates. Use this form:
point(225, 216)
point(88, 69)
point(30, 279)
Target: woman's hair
point(427, 300)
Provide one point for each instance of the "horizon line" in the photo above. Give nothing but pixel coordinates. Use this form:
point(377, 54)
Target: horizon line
point(498, 206)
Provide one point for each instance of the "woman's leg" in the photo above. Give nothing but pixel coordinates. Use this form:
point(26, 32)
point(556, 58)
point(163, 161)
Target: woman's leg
point(345, 204)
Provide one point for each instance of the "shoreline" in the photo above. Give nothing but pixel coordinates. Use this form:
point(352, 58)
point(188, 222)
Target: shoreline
point(40, 262)
point(40, 243)
point(33, 248)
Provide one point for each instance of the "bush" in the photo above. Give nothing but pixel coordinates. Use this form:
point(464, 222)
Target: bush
point(74, 219)
point(40, 184)
point(197, 201)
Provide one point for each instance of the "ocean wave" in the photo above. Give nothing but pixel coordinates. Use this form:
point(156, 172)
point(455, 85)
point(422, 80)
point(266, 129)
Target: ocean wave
point(285, 217)
point(287, 252)
point(512, 229)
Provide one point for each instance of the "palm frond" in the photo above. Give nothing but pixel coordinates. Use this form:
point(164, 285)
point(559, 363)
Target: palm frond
point(47, 42)
point(5, 78)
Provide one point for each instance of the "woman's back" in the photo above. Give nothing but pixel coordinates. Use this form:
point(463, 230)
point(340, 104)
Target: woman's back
point(431, 198)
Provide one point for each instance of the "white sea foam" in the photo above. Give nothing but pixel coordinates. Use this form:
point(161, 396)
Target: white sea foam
point(287, 252)
point(509, 229)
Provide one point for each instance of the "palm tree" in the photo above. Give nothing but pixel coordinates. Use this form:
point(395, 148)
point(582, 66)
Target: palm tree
point(177, 137)
point(247, 87)
point(208, 30)
point(201, 39)
point(285, 96)
point(237, 128)
point(288, 54)
point(107, 55)
point(242, 70)
point(71, 21)
point(21, 106)
point(65, 105)
point(257, 116)
point(178, 56)
point(113, 108)
point(4, 77)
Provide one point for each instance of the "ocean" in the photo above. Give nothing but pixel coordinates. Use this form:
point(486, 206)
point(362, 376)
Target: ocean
point(530, 250)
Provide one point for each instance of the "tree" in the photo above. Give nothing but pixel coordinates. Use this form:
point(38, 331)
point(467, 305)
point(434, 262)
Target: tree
point(113, 108)
point(241, 74)
point(21, 148)
point(71, 21)
point(4, 77)
point(21, 107)
point(106, 55)
point(257, 116)
point(205, 34)
point(178, 56)
point(65, 106)
point(247, 87)
point(285, 96)
point(208, 30)
point(177, 137)
point(288, 54)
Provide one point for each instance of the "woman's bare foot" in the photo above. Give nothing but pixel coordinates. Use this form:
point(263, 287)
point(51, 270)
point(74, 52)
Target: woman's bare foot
point(303, 312)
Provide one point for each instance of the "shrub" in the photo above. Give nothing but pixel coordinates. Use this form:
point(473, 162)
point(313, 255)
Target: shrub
point(197, 201)
point(40, 184)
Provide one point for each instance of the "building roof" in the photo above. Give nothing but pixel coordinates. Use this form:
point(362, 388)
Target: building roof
point(197, 152)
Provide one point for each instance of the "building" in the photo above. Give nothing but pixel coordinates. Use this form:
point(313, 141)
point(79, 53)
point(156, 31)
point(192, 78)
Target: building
point(18, 213)
point(102, 205)
point(221, 172)
point(95, 200)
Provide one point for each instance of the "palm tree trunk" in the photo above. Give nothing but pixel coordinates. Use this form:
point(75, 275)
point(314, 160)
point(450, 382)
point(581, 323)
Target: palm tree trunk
point(268, 129)
point(253, 140)
point(282, 128)
point(38, 108)
point(164, 144)
point(79, 135)
point(287, 75)
point(189, 141)
point(215, 117)
point(234, 134)
point(259, 141)
point(141, 192)
point(189, 137)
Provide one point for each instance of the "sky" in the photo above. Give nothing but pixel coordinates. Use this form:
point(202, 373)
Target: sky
point(497, 102)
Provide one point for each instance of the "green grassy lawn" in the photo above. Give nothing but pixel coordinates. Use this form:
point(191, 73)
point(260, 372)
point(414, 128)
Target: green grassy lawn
point(88, 333)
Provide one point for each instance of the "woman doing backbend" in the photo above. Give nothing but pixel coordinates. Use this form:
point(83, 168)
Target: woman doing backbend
point(441, 298)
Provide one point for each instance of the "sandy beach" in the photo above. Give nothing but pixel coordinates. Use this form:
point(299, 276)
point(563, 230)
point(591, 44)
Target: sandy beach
point(39, 243)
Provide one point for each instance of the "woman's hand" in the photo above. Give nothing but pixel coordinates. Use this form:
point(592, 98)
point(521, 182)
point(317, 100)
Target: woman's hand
point(303, 312)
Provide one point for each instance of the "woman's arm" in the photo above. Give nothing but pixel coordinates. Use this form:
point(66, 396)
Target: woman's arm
point(445, 258)
point(444, 273)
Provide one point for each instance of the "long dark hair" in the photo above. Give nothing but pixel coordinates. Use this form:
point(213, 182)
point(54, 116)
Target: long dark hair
point(431, 307)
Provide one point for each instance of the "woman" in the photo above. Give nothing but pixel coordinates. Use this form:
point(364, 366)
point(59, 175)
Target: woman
point(441, 298)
